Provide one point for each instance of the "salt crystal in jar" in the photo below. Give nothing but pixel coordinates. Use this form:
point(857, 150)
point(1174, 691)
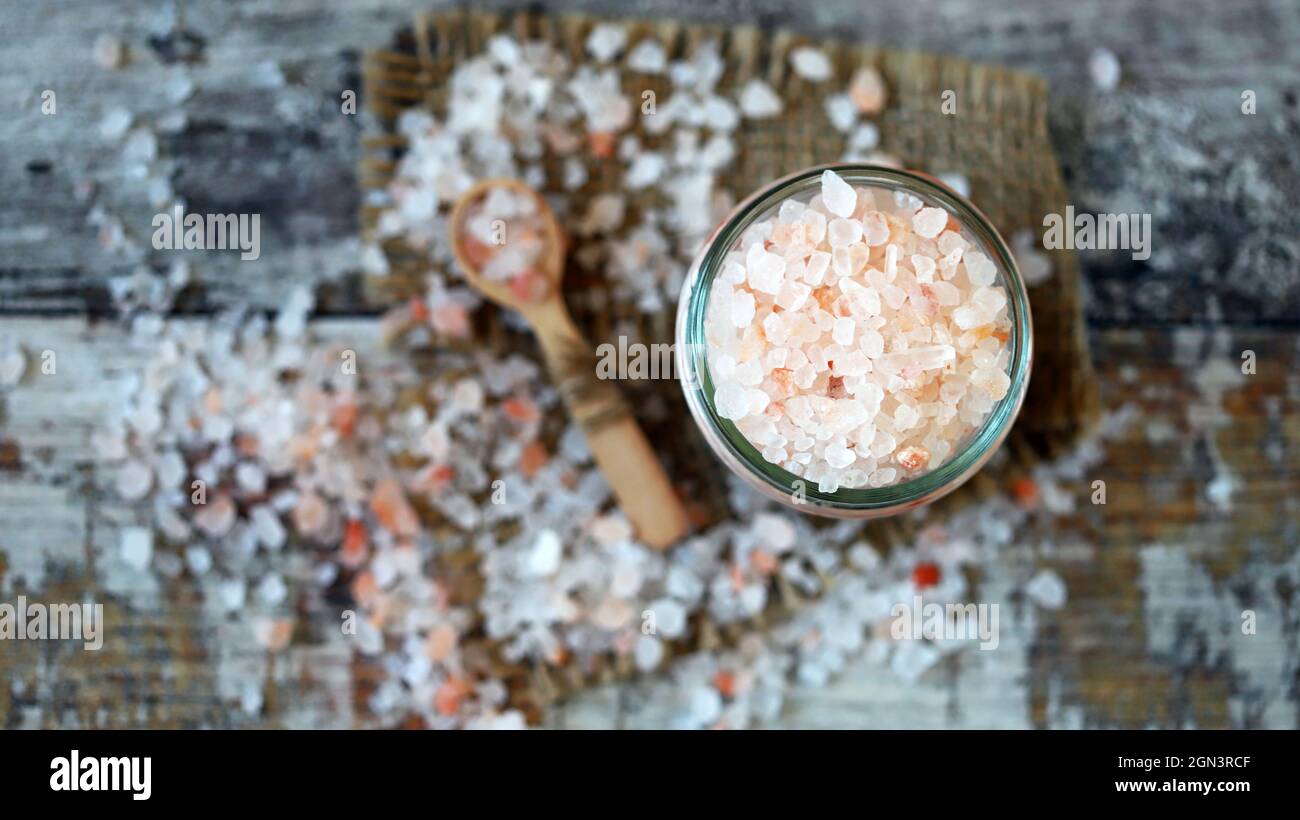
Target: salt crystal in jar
point(854, 341)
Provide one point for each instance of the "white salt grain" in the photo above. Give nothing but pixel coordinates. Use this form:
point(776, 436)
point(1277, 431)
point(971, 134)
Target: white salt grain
point(810, 63)
point(606, 41)
point(648, 57)
point(758, 100)
point(1047, 590)
point(929, 222)
point(1103, 69)
point(137, 547)
point(839, 197)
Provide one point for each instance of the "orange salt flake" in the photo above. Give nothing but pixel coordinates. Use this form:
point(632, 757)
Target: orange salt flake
point(763, 562)
point(442, 475)
point(448, 697)
point(825, 297)
point(451, 320)
point(533, 458)
point(364, 588)
point(344, 418)
point(925, 575)
point(419, 309)
point(737, 577)
point(355, 544)
point(394, 512)
point(835, 388)
point(602, 144)
point(913, 458)
point(520, 409)
point(1001, 335)
point(441, 642)
point(725, 683)
point(273, 633)
point(529, 286)
point(784, 379)
point(698, 514)
point(774, 410)
point(476, 253)
point(212, 401)
point(1025, 491)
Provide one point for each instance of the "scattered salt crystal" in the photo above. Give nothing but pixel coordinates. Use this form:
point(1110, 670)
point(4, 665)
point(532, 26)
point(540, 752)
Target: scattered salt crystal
point(649, 653)
point(912, 659)
point(864, 137)
point(841, 112)
point(134, 480)
point(109, 51)
point(544, 558)
point(955, 181)
point(759, 101)
point(114, 124)
point(1047, 590)
point(648, 57)
point(670, 617)
point(178, 87)
point(13, 363)
point(137, 547)
point(867, 91)
point(272, 591)
point(1103, 68)
point(810, 63)
point(198, 559)
point(646, 169)
point(606, 41)
point(1034, 265)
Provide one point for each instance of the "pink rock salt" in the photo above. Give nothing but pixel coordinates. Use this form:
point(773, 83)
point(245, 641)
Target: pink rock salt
point(857, 339)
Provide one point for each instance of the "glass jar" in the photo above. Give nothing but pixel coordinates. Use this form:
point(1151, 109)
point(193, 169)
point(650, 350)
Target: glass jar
point(772, 480)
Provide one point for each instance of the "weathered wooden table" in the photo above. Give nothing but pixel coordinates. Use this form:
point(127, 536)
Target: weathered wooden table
point(1201, 523)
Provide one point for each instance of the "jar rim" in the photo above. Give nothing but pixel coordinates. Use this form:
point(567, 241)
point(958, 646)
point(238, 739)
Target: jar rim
point(741, 455)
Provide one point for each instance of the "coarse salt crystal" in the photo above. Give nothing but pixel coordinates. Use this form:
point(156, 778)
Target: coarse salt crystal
point(759, 101)
point(810, 63)
point(839, 197)
point(929, 222)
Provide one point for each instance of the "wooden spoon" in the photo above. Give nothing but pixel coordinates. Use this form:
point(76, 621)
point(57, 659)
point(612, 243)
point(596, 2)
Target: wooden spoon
point(613, 436)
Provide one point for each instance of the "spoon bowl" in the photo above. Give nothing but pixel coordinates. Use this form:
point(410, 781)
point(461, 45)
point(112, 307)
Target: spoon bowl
point(614, 438)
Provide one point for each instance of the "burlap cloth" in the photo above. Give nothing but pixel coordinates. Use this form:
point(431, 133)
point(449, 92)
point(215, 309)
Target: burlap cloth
point(998, 139)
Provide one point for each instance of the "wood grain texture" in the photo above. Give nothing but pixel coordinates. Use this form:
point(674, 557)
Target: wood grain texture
point(1157, 578)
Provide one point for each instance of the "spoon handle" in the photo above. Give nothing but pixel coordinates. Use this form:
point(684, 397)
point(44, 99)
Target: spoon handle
point(613, 435)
